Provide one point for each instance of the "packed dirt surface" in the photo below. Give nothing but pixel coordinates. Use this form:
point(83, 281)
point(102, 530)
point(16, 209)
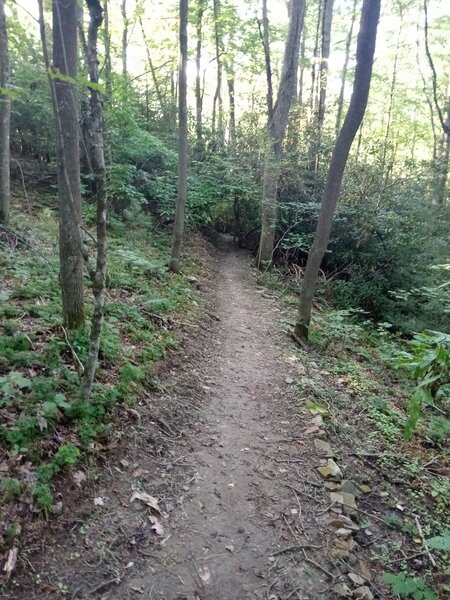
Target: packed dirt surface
point(207, 494)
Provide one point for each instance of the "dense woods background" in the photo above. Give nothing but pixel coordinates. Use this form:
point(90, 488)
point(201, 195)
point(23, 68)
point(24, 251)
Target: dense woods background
point(97, 108)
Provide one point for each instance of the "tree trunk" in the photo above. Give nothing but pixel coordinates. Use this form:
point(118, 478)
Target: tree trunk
point(5, 121)
point(302, 66)
point(276, 129)
point(182, 142)
point(124, 38)
point(266, 45)
point(320, 103)
point(348, 44)
point(159, 95)
point(232, 102)
point(218, 101)
point(107, 45)
point(314, 96)
point(391, 99)
point(65, 58)
point(201, 5)
point(99, 173)
point(364, 61)
point(442, 145)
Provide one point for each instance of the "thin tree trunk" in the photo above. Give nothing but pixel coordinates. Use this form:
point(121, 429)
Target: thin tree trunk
point(324, 58)
point(159, 95)
point(124, 38)
point(232, 102)
point(201, 5)
point(364, 61)
point(265, 38)
point(276, 130)
point(65, 58)
point(314, 96)
point(442, 146)
point(348, 44)
point(218, 101)
point(182, 142)
point(99, 173)
point(5, 121)
point(391, 96)
point(302, 66)
point(320, 103)
point(107, 45)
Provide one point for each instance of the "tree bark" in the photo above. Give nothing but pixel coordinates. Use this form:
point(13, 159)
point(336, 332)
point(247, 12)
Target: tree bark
point(232, 102)
point(5, 121)
point(201, 5)
point(348, 44)
point(370, 14)
point(442, 146)
point(276, 129)
point(265, 37)
point(182, 142)
point(99, 173)
point(124, 38)
point(320, 102)
point(218, 101)
point(107, 45)
point(65, 58)
point(314, 95)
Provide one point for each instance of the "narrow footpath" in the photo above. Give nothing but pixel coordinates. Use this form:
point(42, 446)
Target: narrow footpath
point(208, 494)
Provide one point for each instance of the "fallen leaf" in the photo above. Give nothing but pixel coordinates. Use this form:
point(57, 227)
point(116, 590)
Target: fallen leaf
point(146, 499)
point(204, 574)
point(156, 525)
point(11, 561)
point(289, 380)
point(230, 548)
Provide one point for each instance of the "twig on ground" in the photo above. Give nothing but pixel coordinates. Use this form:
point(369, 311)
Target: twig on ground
point(427, 550)
point(315, 564)
point(78, 364)
point(295, 547)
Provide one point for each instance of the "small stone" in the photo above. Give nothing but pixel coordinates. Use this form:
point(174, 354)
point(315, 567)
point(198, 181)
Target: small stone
point(363, 593)
point(311, 430)
point(347, 501)
point(342, 590)
point(350, 488)
point(352, 560)
point(366, 489)
point(356, 579)
point(343, 521)
point(323, 448)
point(317, 421)
point(331, 470)
point(343, 533)
point(331, 485)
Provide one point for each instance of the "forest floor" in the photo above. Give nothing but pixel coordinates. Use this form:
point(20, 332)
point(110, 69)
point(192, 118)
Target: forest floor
point(224, 486)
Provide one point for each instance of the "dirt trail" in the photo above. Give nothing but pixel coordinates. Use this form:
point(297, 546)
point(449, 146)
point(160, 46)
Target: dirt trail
point(224, 531)
point(231, 469)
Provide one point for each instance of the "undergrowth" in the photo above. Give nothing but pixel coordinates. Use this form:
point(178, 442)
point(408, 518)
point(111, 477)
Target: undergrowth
point(367, 379)
point(47, 429)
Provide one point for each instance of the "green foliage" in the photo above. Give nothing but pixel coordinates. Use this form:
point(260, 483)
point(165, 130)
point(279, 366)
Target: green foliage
point(428, 362)
point(409, 587)
point(440, 542)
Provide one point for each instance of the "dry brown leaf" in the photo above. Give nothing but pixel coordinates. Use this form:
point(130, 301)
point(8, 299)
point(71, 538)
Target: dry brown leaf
point(146, 499)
